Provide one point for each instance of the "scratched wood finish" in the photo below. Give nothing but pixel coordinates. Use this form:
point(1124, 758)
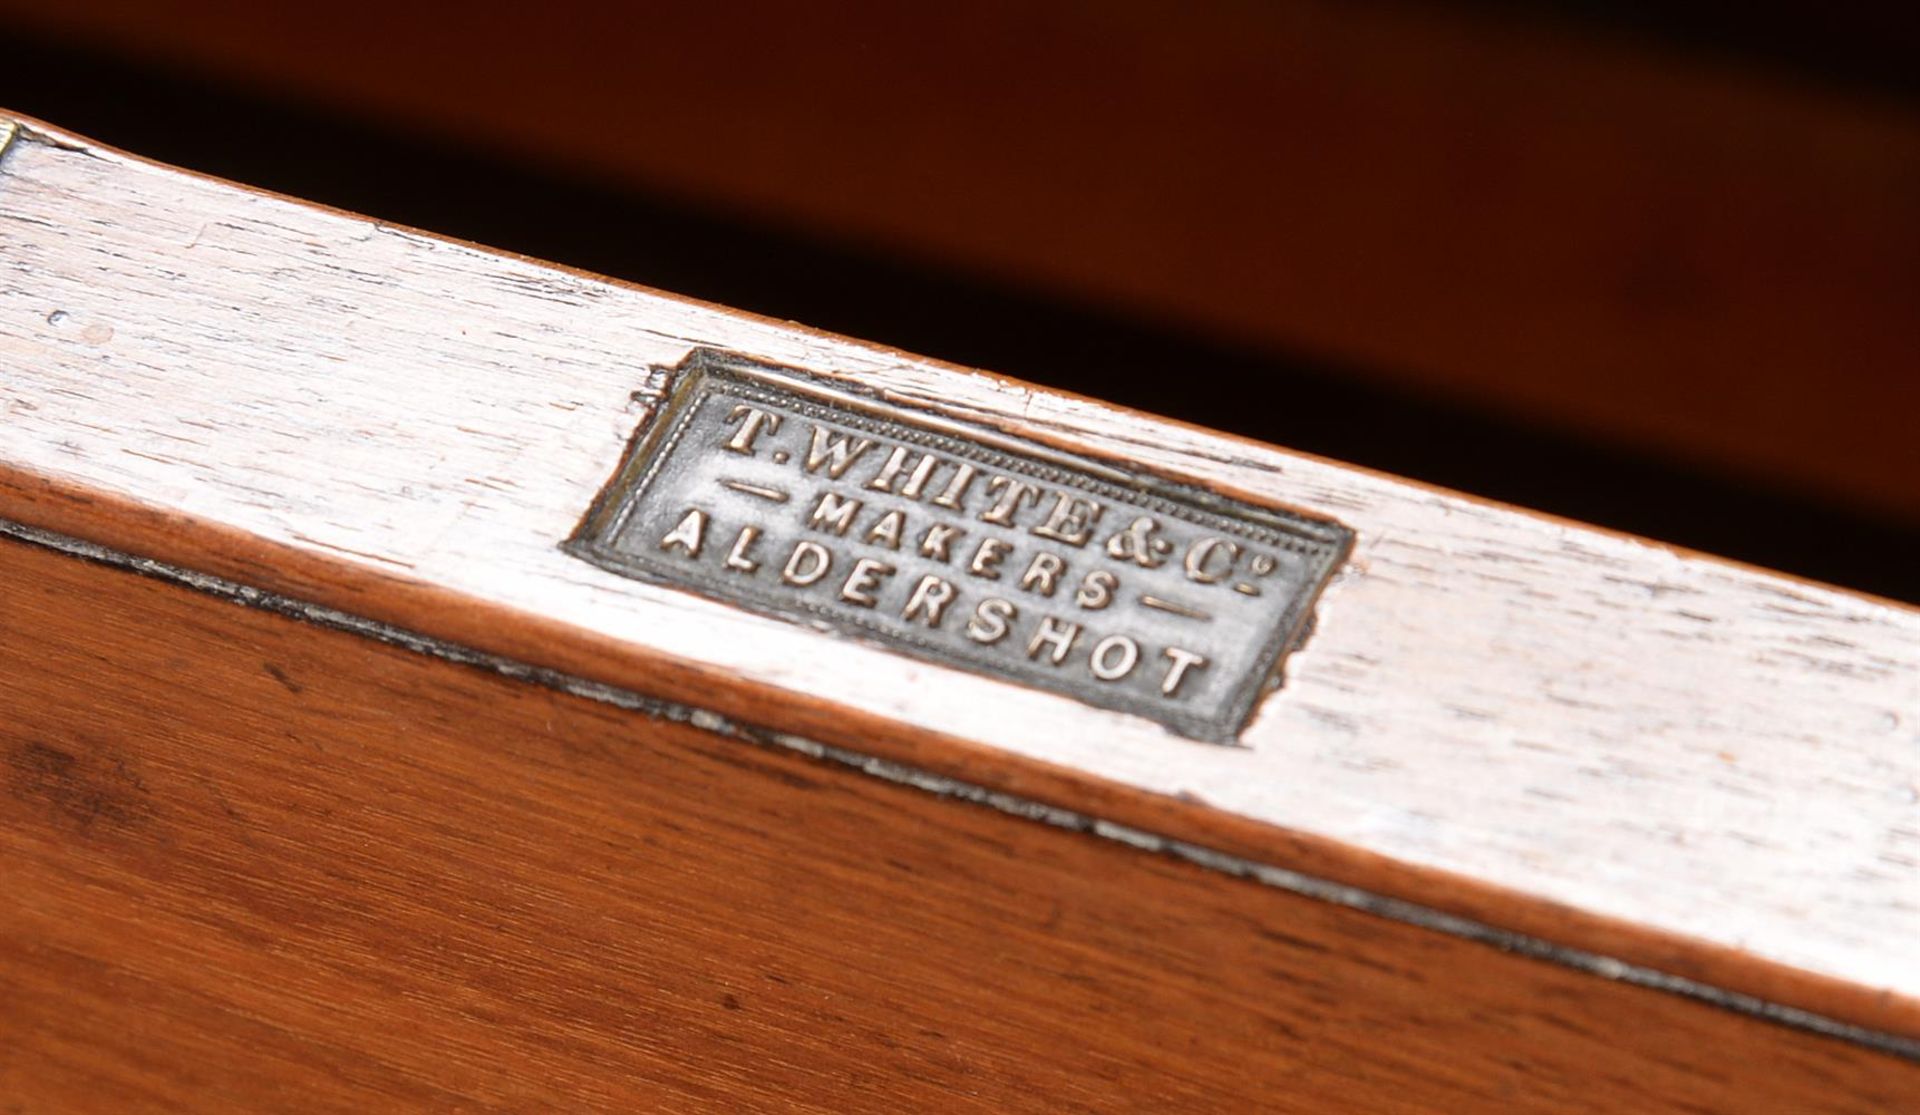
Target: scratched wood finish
point(1672, 248)
point(1653, 755)
point(251, 864)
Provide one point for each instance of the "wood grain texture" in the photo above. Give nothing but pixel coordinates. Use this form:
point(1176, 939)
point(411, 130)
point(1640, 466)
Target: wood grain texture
point(252, 864)
point(1602, 742)
point(1673, 249)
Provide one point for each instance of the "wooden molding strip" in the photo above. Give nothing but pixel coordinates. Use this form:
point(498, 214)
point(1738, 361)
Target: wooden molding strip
point(1685, 773)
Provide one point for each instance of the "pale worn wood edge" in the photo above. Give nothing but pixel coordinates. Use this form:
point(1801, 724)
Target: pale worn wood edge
point(20, 125)
point(154, 532)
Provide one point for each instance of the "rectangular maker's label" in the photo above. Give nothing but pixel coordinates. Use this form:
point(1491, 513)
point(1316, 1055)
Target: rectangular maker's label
point(799, 498)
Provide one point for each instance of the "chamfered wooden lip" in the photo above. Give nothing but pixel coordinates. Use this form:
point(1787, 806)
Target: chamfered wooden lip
point(1663, 762)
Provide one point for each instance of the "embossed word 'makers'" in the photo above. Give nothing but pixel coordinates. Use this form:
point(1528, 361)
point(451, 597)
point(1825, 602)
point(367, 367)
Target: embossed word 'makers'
point(767, 488)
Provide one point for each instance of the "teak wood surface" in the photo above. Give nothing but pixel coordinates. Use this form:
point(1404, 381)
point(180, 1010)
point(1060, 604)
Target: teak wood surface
point(255, 865)
point(1543, 818)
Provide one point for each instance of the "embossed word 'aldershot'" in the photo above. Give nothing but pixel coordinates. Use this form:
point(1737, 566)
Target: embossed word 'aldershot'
point(796, 497)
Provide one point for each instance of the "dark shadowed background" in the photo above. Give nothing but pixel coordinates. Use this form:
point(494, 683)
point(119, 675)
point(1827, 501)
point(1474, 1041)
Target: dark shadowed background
point(1653, 266)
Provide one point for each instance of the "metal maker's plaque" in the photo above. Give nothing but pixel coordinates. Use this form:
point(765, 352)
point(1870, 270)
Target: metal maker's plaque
point(797, 497)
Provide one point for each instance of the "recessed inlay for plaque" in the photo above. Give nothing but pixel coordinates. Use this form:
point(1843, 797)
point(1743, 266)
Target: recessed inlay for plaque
point(797, 497)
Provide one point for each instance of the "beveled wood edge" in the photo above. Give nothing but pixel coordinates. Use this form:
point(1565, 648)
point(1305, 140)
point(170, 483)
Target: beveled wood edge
point(160, 542)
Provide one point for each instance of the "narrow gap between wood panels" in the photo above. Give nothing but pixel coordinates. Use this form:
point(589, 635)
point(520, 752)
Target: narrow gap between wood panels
point(1293, 882)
